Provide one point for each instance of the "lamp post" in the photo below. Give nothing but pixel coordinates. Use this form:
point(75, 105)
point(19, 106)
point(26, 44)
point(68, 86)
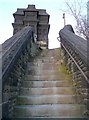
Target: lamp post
point(64, 18)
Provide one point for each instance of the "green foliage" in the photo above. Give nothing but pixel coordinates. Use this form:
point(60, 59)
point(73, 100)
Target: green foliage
point(62, 69)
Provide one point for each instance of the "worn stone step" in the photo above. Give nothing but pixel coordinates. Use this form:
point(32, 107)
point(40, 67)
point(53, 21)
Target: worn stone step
point(45, 77)
point(48, 99)
point(42, 61)
point(49, 110)
point(47, 83)
point(42, 67)
point(52, 117)
point(42, 72)
point(47, 91)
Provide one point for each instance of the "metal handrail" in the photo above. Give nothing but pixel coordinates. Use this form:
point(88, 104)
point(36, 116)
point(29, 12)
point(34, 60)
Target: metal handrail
point(86, 78)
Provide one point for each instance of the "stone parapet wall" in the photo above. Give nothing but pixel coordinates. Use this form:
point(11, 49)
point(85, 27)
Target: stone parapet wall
point(76, 62)
point(16, 52)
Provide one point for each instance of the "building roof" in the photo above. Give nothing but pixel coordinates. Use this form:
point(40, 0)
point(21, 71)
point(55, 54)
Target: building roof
point(30, 8)
point(42, 12)
point(19, 11)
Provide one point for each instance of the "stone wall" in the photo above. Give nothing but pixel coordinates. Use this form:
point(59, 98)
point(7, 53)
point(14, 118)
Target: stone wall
point(75, 58)
point(16, 52)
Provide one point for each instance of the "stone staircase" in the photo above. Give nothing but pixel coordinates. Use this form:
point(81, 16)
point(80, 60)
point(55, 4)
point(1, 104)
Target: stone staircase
point(47, 92)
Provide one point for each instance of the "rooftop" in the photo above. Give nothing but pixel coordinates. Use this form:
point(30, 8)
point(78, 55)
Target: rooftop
point(20, 11)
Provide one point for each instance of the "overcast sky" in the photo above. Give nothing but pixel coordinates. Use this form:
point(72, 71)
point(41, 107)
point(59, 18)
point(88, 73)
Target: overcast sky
point(53, 7)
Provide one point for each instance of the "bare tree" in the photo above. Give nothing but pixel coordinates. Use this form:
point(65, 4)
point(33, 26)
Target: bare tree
point(75, 8)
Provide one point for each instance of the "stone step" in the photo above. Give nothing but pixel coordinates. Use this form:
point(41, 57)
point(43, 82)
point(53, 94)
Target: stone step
point(45, 77)
point(48, 99)
point(47, 91)
point(42, 67)
point(44, 59)
point(52, 117)
point(42, 72)
point(49, 110)
point(47, 83)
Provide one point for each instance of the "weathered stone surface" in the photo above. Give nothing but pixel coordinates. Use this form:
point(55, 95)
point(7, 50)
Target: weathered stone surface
point(48, 99)
point(47, 83)
point(15, 53)
point(54, 110)
point(76, 59)
point(45, 93)
point(36, 18)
